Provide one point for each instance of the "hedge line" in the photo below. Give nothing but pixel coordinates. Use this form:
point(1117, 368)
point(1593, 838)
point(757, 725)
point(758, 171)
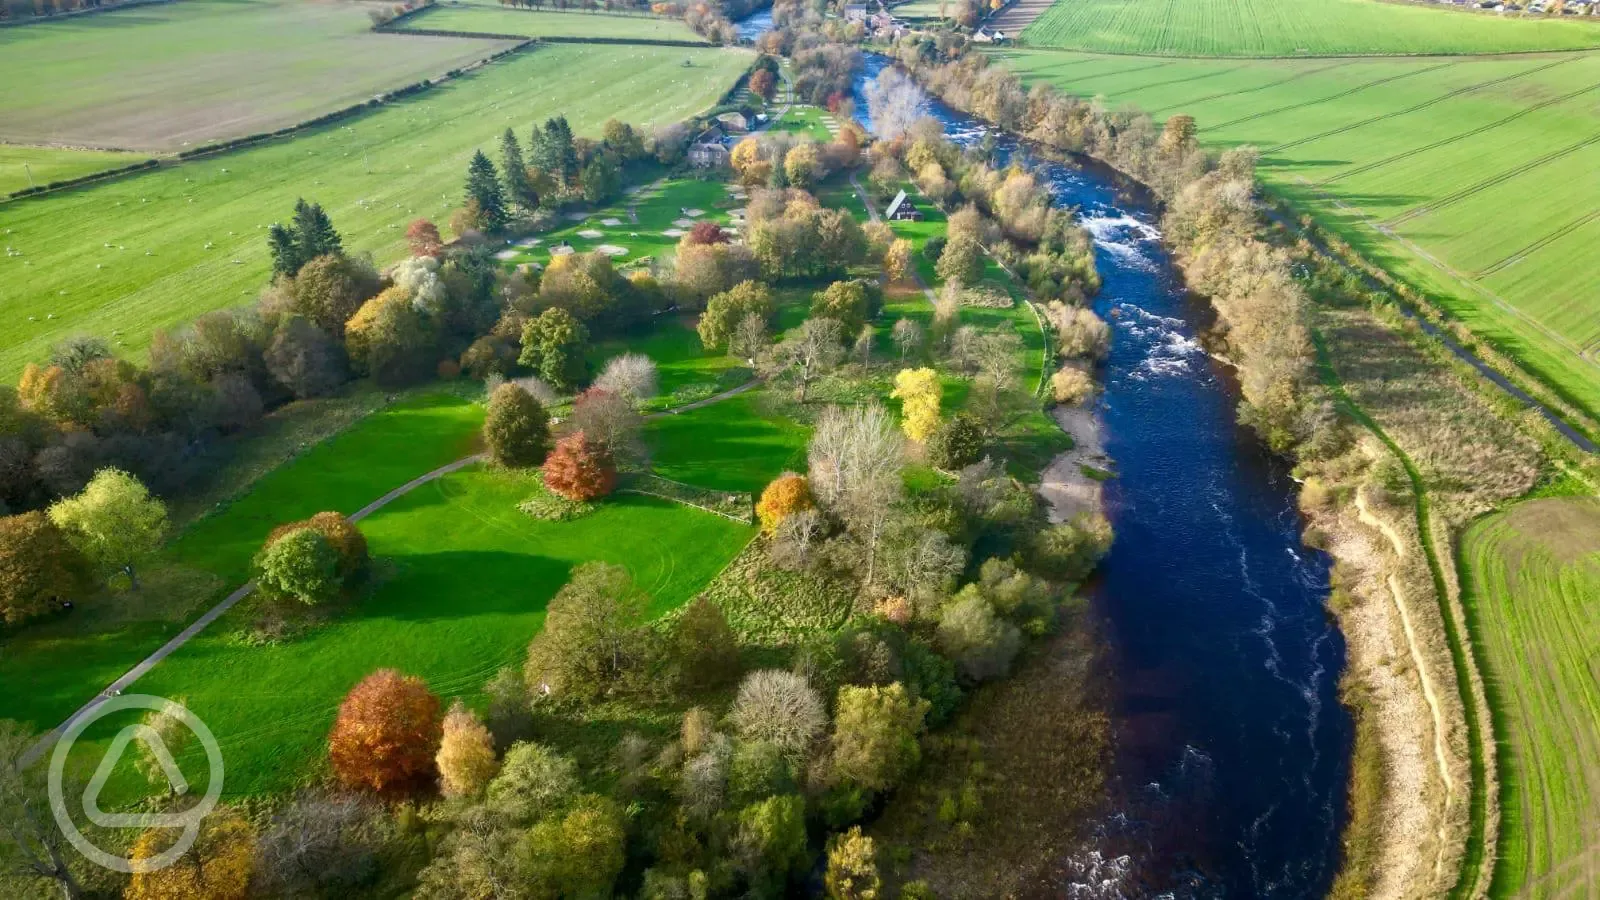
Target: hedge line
point(85, 179)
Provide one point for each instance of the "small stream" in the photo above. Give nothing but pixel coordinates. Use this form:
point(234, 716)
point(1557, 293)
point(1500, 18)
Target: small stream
point(1232, 750)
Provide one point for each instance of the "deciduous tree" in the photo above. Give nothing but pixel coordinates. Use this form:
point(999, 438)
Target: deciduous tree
point(552, 344)
point(465, 759)
point(726, 310)
point(580, 469)
point(591, 633)
point(783, 497)
point(781, 708)
point(516, 429)
point(919, 392)
point(386, 734)
point(115, 522)
point(875, 735)
point(39, 568)
point(302, 565)
point(630, 375)
point(852, 872)
point(422, 237)
point(217, 867)
point(704, 647)
point(806, 352)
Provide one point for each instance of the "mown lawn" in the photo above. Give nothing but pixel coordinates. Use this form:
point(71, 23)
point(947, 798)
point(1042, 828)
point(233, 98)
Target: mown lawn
point(166, 76)
point(123, 258)
point(1468, 177)
point(65, 662)
point(637, 225)
point(1531, 577)
point(1263, 28)
point(732, 445)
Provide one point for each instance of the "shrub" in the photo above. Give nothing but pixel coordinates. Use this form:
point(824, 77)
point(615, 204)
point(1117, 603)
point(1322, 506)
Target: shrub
point(930, 677)
point(581, 854)
point(516, 429)
point(386, 734)
point(758, 770)
point(770, 845)
point(919, 393)
point(1071, 385)
point(466, 754)
point(534, 782)
point(591, 634)
point(784, 496)
point(579, 469)
point(39, 568)
point(981, 643)
point(1068, 552)
point(875, 735)
point(781, 708)
point(957, 443)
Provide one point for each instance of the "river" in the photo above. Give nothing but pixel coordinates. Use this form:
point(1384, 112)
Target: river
point(1232, 750)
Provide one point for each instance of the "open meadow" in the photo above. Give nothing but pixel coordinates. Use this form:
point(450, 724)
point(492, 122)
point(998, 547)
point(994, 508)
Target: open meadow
point(167, 76)
point(485, 19)
point(123, 258)
point(24, 167)
point(1469, 177)
point(1326, 28)
point(1531, 575)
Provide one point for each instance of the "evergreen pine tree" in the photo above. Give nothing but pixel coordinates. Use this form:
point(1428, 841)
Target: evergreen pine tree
point(555, 153)
point(314, 233)
point(518, 188)
point(483, 185)
point(285, 255)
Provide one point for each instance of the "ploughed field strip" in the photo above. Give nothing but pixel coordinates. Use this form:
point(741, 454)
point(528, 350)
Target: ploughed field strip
point(123, 258)
point(167, 76)
point(1264, 28)
point(1470, 176)
point(549, 23)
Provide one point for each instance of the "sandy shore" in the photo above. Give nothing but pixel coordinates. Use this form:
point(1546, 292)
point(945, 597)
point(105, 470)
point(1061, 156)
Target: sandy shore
point(1063, 485)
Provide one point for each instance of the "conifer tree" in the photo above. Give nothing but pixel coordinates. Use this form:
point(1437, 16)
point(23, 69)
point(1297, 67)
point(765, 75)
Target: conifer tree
point(518, 189)
point(483, 187)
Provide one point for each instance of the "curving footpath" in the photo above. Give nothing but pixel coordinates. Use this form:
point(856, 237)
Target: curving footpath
point(216, 612)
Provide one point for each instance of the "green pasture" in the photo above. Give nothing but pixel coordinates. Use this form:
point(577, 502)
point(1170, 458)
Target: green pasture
point(123, 258)
point(485, 19)
point(67, 661)
point(1530, 576)
point(808, 121)
point(167, 76)
point(923, 9)
point(25, 167)
point(1264, 28)
point(1472, 178)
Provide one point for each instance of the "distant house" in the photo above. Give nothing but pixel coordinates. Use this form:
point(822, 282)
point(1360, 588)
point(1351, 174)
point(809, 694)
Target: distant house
point(708, 155)
point(901, 209)
point(984, 36)
point(734, 122)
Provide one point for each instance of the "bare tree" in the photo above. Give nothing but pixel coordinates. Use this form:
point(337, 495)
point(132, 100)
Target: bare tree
point(609, 418)
point(749, 339)
point(631, 375)
point(908, 337)
point(854, 461)
point(895, 103)
point(319, 843)
point(806, 352)
point(32, 847)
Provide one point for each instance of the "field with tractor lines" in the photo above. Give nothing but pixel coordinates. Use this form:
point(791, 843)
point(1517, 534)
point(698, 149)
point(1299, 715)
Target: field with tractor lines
point(1264, 28)
point(1533, 573)
point(1470, 177)
point(123, 258)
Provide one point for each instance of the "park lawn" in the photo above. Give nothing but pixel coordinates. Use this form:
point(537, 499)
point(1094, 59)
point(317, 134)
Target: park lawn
point(125, 257)
point(467, 582)
point(550, 23)
point(732, 445)
point(644, 216)
point(922, 9)
point(1262, 28)
point(25, 167)
point(1466, 177)
point(67, 661)
point(1530, 577)
point(807, 121)
point(684, 366)
point(168, 76)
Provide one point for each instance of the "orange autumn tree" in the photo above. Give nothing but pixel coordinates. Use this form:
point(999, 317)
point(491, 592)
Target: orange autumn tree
point(466, 754)
point(386, 735)
point(217, 867)
point(580, 469)
point(786, 495)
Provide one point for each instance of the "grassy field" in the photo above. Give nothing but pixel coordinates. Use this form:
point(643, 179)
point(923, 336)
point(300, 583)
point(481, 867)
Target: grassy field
point(123, 258)
point(1469, 177)
point(167, 76)
point(550, 23)
point(47, 164)
point(1264, 28)
point(105, 638)
point(728, 446)
point(810, 121)
point(1531, 576)
point(647, 223)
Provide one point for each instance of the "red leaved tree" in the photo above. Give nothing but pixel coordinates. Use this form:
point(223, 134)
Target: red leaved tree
point(386, 735)
point(580, 469)
point(705, 232)
point(423, 237)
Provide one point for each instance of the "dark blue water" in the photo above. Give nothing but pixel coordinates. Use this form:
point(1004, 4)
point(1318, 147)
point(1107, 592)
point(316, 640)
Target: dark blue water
point(754, 25)
point(1232, 748)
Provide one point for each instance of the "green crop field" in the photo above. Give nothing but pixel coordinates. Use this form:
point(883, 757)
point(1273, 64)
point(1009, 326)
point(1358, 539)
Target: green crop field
point(167, 76)
point(550, 23)
point(1532, 575)
point(25, 167)
point(123, 258)
point(1264, 28)
point(1472, 178)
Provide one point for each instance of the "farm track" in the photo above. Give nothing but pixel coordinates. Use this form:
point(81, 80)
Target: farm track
point(1478, 187)
point(1159, 65)
point(1340, 95)
point(1448, 95)
point(1378, 164)
point(1557, 234)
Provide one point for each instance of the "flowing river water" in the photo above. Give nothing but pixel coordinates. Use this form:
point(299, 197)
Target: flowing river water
point(1232, 750)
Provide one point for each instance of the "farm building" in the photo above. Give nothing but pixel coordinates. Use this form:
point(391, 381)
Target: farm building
point(901, 209)
point(708, 155)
